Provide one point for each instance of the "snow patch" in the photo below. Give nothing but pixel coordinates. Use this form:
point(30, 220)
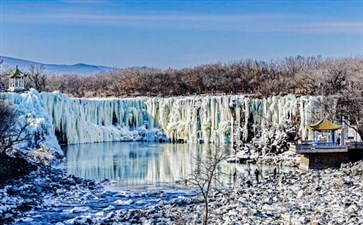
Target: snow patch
point(121, 202)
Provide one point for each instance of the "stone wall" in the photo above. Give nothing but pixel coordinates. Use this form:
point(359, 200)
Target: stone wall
point(324, 160)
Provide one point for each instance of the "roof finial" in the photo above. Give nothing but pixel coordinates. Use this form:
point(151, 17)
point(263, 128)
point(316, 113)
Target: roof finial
point(16, 66)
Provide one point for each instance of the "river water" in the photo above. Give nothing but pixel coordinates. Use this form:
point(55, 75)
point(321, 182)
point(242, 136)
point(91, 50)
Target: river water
point(144, 164)
point(149, 174)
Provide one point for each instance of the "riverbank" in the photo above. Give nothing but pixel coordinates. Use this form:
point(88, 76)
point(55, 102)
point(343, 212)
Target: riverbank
point(246, 155)
point(39, 190)
point(48, 195)
point(314, 197)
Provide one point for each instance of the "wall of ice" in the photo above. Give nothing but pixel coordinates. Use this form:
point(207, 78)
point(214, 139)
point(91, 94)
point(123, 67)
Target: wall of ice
point(30, 108)
point(79, 120)
point(189, 119)
point(217, 119)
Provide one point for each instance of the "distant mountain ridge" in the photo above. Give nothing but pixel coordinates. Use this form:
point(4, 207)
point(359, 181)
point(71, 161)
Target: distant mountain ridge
point(79, 69)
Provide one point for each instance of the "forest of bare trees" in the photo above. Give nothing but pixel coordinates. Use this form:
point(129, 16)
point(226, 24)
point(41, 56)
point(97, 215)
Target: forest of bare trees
point(297, 75)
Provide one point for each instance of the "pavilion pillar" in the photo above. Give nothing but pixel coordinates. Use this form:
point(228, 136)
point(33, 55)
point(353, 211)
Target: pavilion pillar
point(342, 141)
point(314, 136)
point(332, 137)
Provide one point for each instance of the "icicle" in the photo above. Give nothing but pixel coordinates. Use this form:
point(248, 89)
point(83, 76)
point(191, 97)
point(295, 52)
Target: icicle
point(189, 119)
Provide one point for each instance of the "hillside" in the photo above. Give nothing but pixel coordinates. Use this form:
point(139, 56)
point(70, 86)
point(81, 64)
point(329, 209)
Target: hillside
point(79, 69)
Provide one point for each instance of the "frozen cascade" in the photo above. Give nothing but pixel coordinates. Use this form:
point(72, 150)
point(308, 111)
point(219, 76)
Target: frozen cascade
point(30, 108)
point(189, 119)
point(78, 120)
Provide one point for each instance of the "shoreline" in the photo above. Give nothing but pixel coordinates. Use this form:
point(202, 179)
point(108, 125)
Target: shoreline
point(333, 196)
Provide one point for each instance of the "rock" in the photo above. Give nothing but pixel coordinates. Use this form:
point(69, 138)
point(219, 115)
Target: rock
point(121, 202)
point(79, 209)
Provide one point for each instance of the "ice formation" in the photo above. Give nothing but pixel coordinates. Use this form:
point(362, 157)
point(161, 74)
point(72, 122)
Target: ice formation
point(79, 120)
point(191, 119)
point(30, 108)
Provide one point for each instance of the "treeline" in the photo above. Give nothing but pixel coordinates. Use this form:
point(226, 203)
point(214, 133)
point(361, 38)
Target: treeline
point(298, 75)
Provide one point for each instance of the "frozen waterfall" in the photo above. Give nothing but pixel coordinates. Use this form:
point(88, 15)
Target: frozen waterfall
point(30, 109)
point(190, 119)
point(79, 120)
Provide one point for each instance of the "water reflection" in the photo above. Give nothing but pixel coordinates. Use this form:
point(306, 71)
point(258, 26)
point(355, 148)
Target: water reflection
point(137, 163)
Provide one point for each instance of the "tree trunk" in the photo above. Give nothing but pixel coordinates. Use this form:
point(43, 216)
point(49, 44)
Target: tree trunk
point(206, 212)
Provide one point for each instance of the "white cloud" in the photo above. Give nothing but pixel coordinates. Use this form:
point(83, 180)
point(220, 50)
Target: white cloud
point(288, 23)
point(354, 27)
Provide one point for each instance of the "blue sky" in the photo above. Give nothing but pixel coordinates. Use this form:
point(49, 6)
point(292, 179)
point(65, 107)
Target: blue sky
point(176, 33)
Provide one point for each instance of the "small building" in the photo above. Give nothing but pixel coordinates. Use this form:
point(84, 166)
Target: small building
point(324, 133)
point(326, 149)
point(16, 80)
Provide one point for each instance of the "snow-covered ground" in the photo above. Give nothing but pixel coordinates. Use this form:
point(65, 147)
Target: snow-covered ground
point(315, 197)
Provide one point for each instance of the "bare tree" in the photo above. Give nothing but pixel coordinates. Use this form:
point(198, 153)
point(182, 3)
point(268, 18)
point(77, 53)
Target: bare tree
point(11, 130)
point(350, 110)
point(205, 176)
point(345, 108)
point(38, 79)
point(4, 71)
point(324, 107)
point(299, 75)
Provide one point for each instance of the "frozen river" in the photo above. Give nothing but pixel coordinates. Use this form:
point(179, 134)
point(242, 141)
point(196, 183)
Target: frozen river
point(142, 175)
point(132, 164)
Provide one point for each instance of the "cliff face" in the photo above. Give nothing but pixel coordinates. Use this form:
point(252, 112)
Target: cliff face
point(217, 119)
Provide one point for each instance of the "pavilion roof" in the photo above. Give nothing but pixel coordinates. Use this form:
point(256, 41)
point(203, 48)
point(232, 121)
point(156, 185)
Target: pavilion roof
point(16, 74)
point(324, 125)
